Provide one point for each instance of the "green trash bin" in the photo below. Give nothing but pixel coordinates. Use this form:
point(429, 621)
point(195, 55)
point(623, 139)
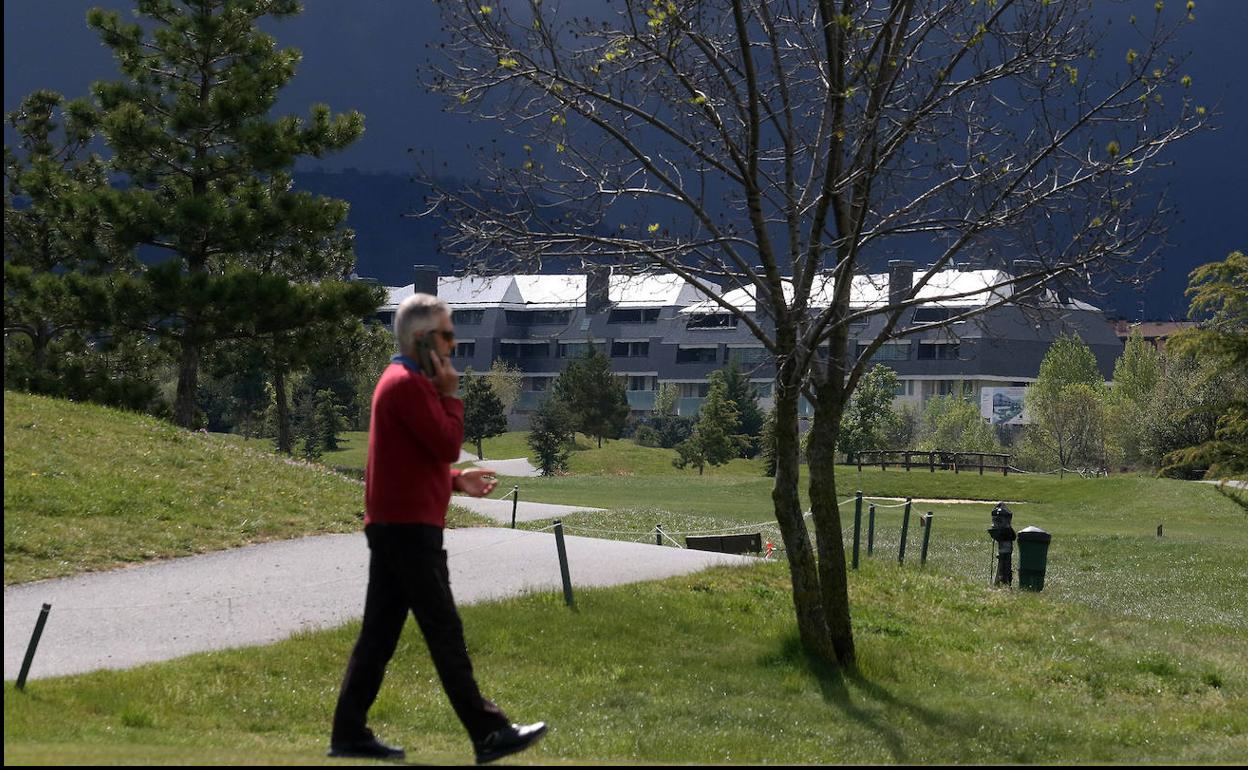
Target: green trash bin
point(1033, 556)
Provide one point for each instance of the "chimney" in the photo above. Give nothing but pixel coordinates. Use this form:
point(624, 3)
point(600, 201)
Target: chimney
point(1022, 267)
point(900, 279)
point(426, 279)
point(597, 284)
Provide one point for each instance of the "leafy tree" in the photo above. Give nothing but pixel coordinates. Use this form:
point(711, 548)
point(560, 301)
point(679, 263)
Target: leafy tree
point(594, 395)
point(774, 145)
point(741, 392)
point(550, 436)
point(953, 424)
point(666, 400)
point(1067, 403)
point(1136, 374)
point(716, 437)
point(483, 411)
point(870, 420)
point(204, 166)
point(505, 380)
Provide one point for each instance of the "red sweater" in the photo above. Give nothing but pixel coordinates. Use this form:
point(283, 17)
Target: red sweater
point(414, 436)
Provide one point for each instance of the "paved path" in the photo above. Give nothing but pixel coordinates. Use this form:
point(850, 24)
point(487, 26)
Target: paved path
point(517, 467)
point(264, 593)
point(499, 509)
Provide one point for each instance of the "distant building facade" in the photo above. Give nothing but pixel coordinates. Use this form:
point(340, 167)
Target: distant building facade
point(1154, 333)
point(657, 329)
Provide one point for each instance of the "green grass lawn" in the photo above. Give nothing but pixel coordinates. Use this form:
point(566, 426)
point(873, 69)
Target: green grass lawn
point(700, 669)
point(1133, 653)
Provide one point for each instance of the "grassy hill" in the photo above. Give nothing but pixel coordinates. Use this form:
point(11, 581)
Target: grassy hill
point(87, 488)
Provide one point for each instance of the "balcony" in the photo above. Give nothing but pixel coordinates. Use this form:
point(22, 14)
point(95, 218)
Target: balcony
point(641, 400)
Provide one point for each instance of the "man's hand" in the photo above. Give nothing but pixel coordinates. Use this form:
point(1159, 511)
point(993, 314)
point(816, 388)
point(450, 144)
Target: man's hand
point(477, 482)
point(445, 378)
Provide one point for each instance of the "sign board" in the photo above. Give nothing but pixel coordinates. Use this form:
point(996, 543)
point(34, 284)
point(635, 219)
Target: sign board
point(1003, 406)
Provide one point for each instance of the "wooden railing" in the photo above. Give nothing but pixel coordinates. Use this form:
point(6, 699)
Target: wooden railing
point(921, 458)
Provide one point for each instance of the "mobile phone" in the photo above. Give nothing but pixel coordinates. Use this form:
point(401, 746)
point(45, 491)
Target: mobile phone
point(425, 353)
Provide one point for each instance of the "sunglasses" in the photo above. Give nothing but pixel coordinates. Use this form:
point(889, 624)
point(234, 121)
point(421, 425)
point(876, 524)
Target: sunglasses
point(449, 336)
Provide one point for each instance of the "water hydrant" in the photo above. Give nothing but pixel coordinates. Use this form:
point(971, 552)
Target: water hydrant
point(1004, 535)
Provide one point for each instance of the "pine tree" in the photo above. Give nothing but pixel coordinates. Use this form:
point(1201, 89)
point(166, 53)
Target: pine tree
point(204, 165)
point(550, 436)
point(483, 411)
point(716, 438)
point(745, 396)
point(593, 395)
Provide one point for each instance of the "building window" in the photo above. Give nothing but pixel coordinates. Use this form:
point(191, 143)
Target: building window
point(642, 382)
point(924, 315)
point(633, 349)
point(523, 350)
point(900, 388)
point(937, 351)
point(635, 315)
point(713, 321)
point(467, 317)
point(752, 356)
point(764, 389)
point(696, 355)
point(694, 389)
point(538, 317)
point(889, 351)
point(464, 350)
point(577, 349)
point(536, 384)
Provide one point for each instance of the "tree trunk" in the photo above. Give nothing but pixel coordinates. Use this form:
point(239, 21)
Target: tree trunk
point(283, 411)
point(823, 504)
point(184, 406)
point(811, 623)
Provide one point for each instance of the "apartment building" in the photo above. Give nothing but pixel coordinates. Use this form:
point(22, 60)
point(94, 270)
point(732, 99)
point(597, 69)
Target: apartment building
point(657, 329)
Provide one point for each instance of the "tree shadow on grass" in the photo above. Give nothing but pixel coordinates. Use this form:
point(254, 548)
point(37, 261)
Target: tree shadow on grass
point(870, 703)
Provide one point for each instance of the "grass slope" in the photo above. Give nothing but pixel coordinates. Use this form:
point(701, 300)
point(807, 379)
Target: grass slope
point(89, 488)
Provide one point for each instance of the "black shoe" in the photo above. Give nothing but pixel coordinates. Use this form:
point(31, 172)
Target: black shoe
point(365, 748)
point(509, 740)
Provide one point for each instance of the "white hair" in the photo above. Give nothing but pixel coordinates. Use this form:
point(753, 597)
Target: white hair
point(417, 313)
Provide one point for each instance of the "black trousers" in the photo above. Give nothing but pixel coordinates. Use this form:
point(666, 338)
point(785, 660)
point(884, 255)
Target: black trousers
point(407, 571)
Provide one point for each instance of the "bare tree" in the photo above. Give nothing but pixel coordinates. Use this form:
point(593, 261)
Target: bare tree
point(780, 147)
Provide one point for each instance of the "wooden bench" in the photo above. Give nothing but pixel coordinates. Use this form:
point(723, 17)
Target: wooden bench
point(752, 543)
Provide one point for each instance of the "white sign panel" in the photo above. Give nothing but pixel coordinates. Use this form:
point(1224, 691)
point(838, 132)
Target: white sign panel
point(1003, 406)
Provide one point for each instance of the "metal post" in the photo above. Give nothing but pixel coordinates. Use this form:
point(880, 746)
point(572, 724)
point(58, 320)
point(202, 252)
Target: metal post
point(658, 534)
point(927, 535)
point(515, 501)
point(871, 529)
point(981, 464)
point(1158, 530)
point(905, 527)
point(931, 461)
point(857, 525)
point(563, 565)
point(34, 642)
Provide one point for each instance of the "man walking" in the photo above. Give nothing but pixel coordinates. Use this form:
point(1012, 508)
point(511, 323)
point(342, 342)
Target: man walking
point(416, 431)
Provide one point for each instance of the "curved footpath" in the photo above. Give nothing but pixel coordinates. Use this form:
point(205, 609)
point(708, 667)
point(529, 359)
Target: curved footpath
point(264, 593)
